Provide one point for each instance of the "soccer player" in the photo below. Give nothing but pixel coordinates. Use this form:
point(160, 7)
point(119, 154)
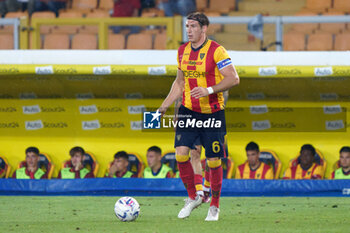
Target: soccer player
point(253, 168)
point(205, 70)
point(344, 159)
point(77, 170)
point(307, 168)
point(119, 167)
point(155, 167)
point(31, 170)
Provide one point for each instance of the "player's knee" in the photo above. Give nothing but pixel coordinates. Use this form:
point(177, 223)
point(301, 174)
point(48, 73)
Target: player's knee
point(182, 158)
point(213, 163)
point(195, 155)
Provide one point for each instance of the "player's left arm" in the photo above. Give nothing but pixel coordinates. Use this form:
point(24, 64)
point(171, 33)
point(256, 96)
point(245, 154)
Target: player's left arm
point(230, 79)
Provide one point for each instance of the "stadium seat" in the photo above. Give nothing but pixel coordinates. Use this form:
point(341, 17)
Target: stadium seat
point(5, 168)
point(336, 165)
point(342, 42)
point(321, 41)
point(116, 41)
point(44, 29)
point(201, 4)
point(106, 4)
point(319, 159)
point(342, 5)
point(294, 41)
point(269, 157)
point(332, 27)
point(152, 12)
point(68, 29)
point(92, 29)
point(136, 164)
point(305, 27)
point(222, 6)
point(84, 41)
point(160, 41)
point(89, 162)
point(227, 166)
point(139, 41)
point(170, 160)
point(44, 163)
point(318, 5)
point(84, 4)
point(6, 41)
point(213, 28)
point(56, 41)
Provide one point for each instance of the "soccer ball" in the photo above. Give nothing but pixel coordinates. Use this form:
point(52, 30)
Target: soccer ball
point(127, 209)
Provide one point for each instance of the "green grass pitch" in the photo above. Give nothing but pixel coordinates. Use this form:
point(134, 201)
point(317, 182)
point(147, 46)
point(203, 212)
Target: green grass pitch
point(159, 214)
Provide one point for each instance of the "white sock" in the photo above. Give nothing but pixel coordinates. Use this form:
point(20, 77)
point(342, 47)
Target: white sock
point(205, 189)
point(200, 193)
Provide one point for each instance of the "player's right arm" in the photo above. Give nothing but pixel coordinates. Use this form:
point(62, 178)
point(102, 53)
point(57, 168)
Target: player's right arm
point(175, 92)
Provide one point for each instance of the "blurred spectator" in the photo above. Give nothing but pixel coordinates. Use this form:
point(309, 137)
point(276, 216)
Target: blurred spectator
point(77, 170)
point(307, 168)
point(119, 167)
point(31, 169)
point(343, 172)
point(126, 8)
point(253, 168)
point(49, 5)
point(155, 168)
point(181, 7)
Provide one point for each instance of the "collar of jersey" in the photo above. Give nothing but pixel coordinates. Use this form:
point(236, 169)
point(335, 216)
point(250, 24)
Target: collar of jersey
point(204, 43)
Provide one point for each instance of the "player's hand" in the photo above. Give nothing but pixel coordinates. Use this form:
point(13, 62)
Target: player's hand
point(112, 170)
point(199, 92)
point(162, 110)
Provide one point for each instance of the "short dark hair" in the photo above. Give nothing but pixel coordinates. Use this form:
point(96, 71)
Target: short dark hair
point(155, 149)
point(344, 149)
point(121, 154)
point(308, 147)
point(33, 149)
point(201, 18)
point(76, 149)
point(252, 146)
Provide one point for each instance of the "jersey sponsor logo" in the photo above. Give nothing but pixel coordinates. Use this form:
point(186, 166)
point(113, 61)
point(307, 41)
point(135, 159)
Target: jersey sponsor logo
point(194, 74)
point(192, 63)
point(332, 109)
point(323, 71)
point(222, 64)
point(90, 125)
point(34, 125)
point(334, 125)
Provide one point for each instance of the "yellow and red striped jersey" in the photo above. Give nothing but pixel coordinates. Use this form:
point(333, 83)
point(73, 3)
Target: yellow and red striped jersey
point(264, 171)
point(296, 172)
point(201, 68)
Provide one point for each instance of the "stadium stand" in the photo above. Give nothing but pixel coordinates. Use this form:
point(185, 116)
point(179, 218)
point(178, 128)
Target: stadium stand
point(342, 41)
point(56, 41)
point(89, 162)
point(341, 5)
point(6, 41)
point(106, 4)
point(45, 29)
point(320, 41)
point(84, 41)
point(294, 41)
point(116, 41)
point(333, 28)
point(160, 41)
point(318, 5)
point(139, 41)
